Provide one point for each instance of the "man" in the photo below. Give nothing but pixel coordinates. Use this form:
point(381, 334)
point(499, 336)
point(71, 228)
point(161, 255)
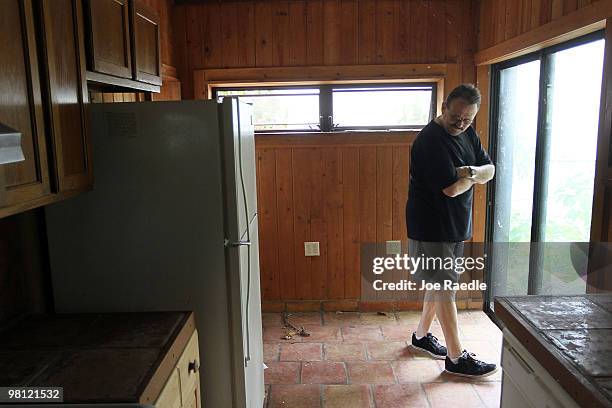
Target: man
point(447, 159)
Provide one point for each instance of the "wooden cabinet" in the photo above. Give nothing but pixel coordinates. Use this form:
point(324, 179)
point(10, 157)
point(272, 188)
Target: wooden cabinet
point(44, 96)
point(46, 48)
point(146, 44)
point(67, 93)
point(21, 104)
point(123, 42)
point(183, 386)
point(108, 37)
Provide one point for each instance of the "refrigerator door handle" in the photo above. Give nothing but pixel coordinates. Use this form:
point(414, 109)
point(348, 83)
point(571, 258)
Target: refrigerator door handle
point(240, 243)
point(226, 243)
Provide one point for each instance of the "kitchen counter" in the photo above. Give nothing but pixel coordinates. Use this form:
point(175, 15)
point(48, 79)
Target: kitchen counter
point(570, 337)
point(96, 358)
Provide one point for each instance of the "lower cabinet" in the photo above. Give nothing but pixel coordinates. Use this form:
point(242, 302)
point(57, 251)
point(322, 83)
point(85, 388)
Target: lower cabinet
point(183, 386)
point(525, 383)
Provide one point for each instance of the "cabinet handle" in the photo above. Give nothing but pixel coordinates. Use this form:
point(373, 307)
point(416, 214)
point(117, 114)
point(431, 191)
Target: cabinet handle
point(193, 366)
point(521, 360)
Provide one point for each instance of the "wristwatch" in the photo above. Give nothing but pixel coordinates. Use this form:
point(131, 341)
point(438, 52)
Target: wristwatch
point(472, 171)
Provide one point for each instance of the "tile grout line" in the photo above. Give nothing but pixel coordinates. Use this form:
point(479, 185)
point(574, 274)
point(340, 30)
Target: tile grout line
point(425, 393)
point(372, 395)
point(394, 374)
point(478, 396)
point(321, 390)
point(346, 373)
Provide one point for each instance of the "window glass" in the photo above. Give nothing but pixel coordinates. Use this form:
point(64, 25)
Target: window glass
point(280, 109)
point(575, 89)
point(514, 178)
point(382, 107)
point(363, 106)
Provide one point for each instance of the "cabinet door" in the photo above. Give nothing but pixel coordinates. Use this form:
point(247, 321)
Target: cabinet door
point(146, 44)
point(20, 104)
point(108, 37)
point(67, 92)
point(188, 366)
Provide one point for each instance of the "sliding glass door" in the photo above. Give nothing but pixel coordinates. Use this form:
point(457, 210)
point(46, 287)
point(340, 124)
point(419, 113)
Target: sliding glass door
point(544, 122)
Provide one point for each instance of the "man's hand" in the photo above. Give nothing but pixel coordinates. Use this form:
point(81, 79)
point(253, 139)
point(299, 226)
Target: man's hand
point(482, 174)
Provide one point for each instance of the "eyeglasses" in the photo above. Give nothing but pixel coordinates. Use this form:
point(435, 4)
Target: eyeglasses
point(456, 118)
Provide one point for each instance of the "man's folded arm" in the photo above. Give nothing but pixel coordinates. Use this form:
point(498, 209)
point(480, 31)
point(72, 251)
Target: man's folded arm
point(483, 175)
point(458, 187)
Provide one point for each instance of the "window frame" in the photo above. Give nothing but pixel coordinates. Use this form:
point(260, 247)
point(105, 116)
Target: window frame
point(326, 104)
point(542, 149)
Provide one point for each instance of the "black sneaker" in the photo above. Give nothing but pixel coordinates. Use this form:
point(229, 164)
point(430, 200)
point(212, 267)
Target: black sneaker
point(430, 345)
point(468, 366)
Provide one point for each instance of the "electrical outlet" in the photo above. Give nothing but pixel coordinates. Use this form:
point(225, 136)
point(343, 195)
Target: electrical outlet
point(311, 249)
point(393, 247)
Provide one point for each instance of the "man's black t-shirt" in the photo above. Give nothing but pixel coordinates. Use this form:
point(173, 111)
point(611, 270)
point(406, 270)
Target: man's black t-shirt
point(431, 215)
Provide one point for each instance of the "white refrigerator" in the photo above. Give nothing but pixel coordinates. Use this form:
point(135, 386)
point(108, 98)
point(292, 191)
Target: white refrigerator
point(171, 224)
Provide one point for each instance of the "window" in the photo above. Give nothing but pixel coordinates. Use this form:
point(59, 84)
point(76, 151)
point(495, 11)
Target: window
point(546, 111)
point(338, 107)
point(281, 108)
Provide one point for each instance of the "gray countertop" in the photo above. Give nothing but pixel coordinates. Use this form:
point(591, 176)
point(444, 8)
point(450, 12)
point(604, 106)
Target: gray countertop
point(96, 358)
point(570, 336)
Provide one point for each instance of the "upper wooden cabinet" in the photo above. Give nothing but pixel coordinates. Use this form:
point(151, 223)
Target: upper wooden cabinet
point(146, 44)
point(66, 87)
point(123, 41)
point(21, 104)
point(108, 37)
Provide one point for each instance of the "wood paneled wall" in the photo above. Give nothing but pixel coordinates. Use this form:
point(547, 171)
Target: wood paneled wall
point(280, 33)
point(170, 89)
point(501, 20)
point(341, 190)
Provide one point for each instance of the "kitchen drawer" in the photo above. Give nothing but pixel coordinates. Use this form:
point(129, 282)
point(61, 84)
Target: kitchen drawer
point(170, 397)
point(188, 369)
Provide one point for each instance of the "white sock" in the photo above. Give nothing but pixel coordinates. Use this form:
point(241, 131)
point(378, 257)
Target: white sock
point(417, 336)
point(455, 360)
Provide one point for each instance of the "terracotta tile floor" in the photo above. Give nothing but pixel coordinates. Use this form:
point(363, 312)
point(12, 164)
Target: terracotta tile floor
point(354, 360)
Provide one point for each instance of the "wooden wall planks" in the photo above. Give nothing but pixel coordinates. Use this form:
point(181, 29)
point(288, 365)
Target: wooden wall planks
point(502, 20)
point(340, 194)
point(282, 33)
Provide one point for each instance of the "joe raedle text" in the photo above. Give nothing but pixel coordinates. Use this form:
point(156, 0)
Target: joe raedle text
point(400, 262)
point(445, 285)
